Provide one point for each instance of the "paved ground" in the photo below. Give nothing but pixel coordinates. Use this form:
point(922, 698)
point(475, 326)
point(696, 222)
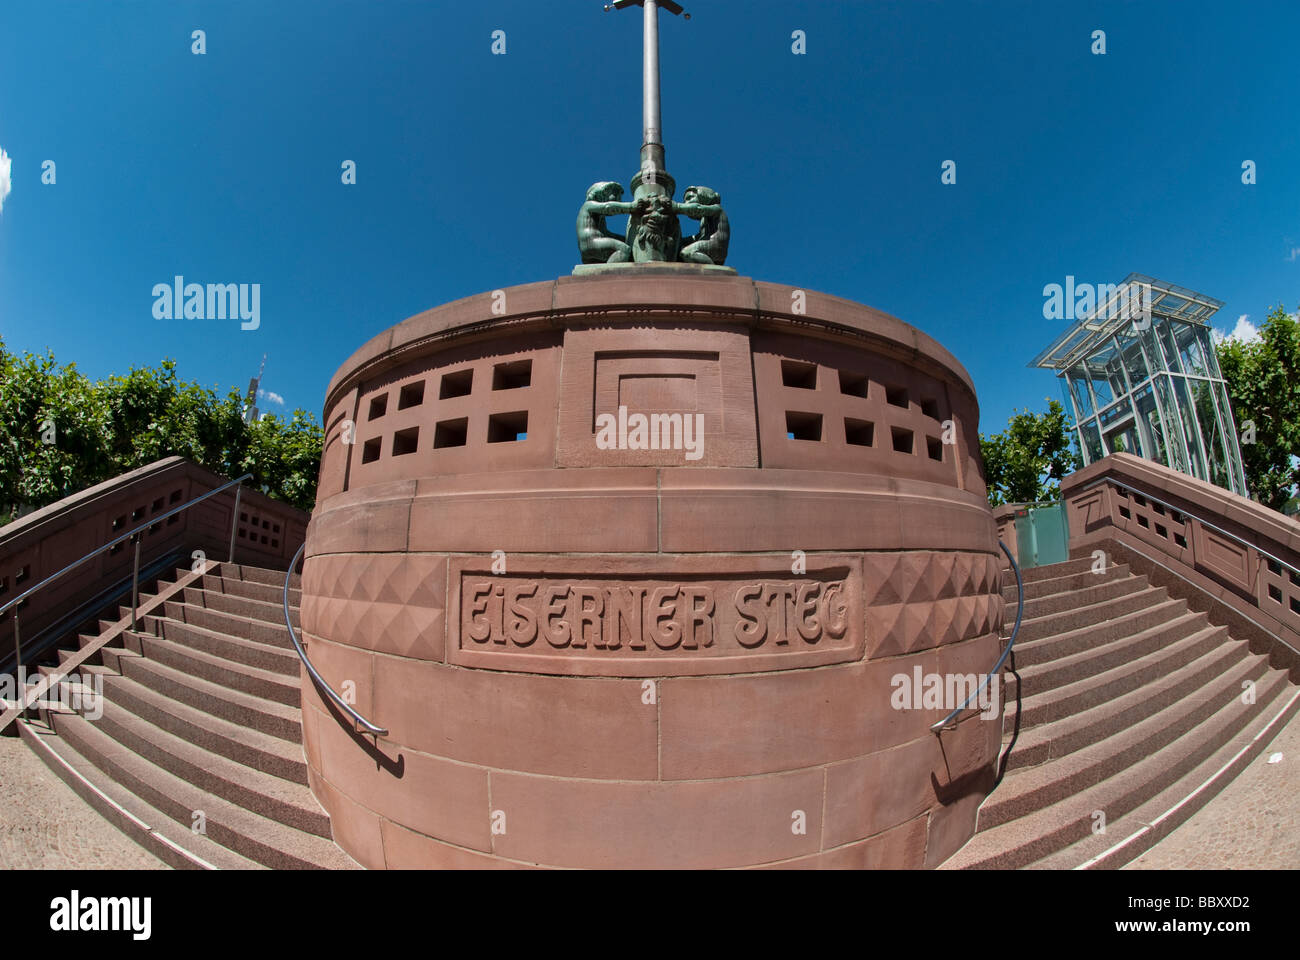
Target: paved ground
point(45, 826)
point(1253, 824)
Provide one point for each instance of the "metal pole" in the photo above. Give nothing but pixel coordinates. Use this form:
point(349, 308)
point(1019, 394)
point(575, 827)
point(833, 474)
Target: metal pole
point(18, 647)
point(135, 583)
point(650, 76)
point(234, 522)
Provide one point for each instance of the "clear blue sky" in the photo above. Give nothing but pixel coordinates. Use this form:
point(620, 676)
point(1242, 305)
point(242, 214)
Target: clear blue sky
point(470, 167)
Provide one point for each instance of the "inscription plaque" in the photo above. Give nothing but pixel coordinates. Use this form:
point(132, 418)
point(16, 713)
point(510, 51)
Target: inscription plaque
point(631, 619)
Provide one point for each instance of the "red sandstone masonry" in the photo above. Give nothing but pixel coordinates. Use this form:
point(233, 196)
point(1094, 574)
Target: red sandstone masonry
point(651, 763)
point(865, 795)
point(561, 512)
point(535, 724)
point(717, 823)
point(900, 848)
point(459, 812)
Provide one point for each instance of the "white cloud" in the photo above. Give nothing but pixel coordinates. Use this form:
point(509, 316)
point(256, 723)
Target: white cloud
point(6, 182)
point(1295, 255)
point(271, 396)
point(1245, 331)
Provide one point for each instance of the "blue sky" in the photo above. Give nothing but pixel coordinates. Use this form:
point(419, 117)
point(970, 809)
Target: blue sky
point(225, 167)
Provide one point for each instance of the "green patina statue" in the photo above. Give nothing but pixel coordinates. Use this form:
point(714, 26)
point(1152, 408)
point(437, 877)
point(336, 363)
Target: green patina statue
point(596, 243)
point(710, 244)
point(654, 232)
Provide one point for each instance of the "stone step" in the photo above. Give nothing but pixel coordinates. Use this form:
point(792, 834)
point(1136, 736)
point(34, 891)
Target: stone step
point(1031, 788)
point(1068, 699)
point(242, 744)
point(176, 845)
point(1137, 831)
point(251, 589)
point(1037, 628)
point(274, 634)
point(1030, 653)
point(1039, 679)
point(247, 833)
point(263, 793)
point(1079, 728)
point(252, 653)
point(271, 613)
point(1036, 589)
point(1049, 571)
point(1096, 591)
point(236, 676)
point(271, 717)
point(239, 571)
point(1049, 829)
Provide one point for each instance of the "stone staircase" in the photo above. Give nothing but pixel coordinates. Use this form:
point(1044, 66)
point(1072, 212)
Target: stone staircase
point(1132, 708)
point(201, 725)
point(1130, 704)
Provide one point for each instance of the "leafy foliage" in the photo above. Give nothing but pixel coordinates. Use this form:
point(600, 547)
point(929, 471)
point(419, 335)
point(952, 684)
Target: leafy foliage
point(61, 433)
point(1263, 380)
point(1025, 462)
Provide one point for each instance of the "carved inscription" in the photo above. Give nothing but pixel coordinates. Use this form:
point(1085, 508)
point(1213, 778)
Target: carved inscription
point(638, 618)
point(684, 617)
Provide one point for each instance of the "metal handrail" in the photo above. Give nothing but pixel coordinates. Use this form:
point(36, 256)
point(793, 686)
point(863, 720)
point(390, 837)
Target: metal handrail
point(1202, 522)
point(130, 534)
point(361, 722)
point(1011, 642)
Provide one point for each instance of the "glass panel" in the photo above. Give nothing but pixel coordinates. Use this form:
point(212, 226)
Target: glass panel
point(1173, 435)
point(1104, 371)
point(1207, 351)
point(1067, 401)
point(1211, 432)
point(1124, 440)
point(1232, 442)
point(1187, 416)
point(1091, 443)
point(1189, 349)
point(1079, 387)
point(1115, 414)
point(1168, 348)
point(1131, 352)
point(1150, 430)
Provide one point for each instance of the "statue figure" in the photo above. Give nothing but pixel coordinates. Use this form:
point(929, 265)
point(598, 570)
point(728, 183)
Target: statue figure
point(596, 243)
point(654, 232)
point(710, 244)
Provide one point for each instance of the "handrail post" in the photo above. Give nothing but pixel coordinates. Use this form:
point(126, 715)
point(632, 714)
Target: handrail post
point(234, 522)
point(135, 582)
point(18, 647)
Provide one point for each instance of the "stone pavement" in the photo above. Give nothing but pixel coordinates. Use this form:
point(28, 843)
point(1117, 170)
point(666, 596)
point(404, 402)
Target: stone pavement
point(1253, 824)
point(44, 825)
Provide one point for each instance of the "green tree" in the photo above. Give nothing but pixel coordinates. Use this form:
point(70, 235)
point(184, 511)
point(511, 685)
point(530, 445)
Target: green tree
point(1025, 462)
point(1263, 380)
point(61, 433)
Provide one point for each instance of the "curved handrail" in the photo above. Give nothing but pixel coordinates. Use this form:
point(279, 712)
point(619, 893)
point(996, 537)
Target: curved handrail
point(321, 685)
point(1015, 631)
point(130, 533)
